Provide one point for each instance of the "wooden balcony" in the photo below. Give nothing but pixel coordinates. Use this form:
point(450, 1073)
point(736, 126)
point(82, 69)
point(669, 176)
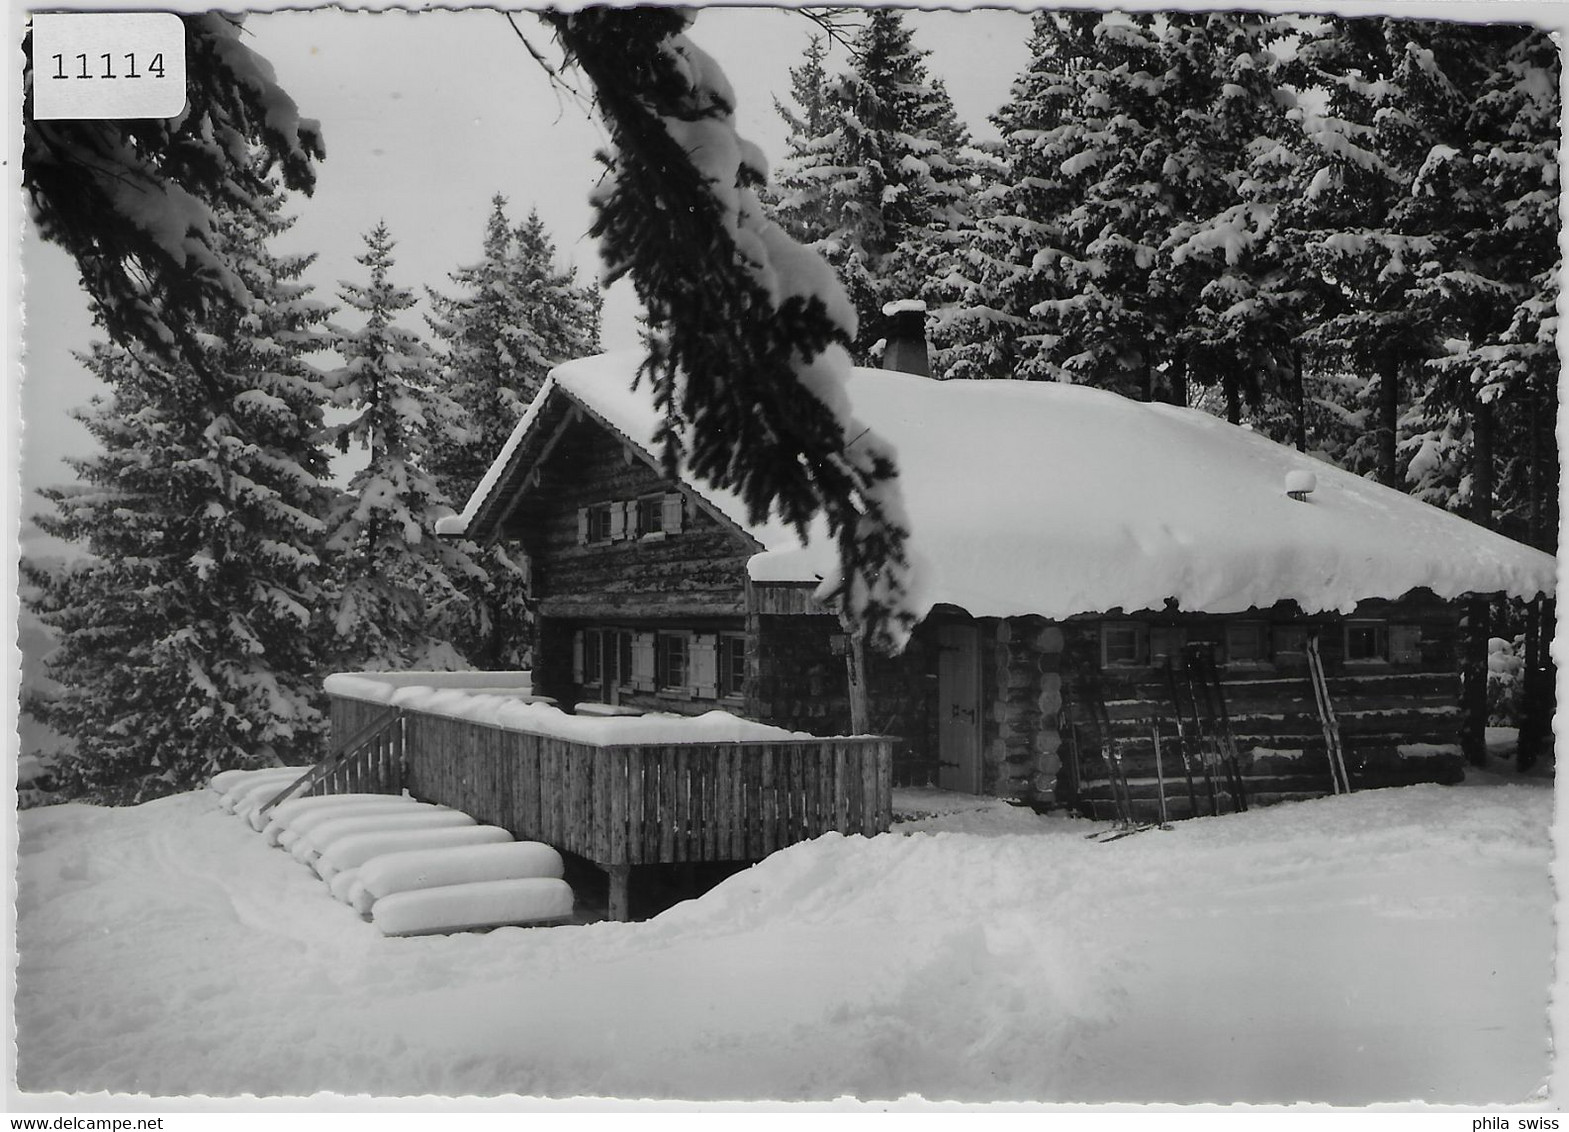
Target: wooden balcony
point(619, 805)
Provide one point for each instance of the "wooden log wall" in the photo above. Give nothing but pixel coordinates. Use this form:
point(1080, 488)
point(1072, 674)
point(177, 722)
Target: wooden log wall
point(1399, 724)
point(635, 805)
point(698, 571)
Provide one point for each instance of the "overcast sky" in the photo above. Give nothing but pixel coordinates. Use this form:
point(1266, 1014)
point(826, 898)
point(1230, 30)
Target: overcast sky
point(426, 116)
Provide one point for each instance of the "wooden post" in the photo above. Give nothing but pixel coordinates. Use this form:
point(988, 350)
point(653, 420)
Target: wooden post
point(620, 892)
point(855, 673)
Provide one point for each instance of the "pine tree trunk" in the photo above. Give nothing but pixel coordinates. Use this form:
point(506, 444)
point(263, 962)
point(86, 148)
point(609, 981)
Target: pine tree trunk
point(1298, 399)
point(1544, 477)
point(1478, 615)
point(1233, 398)
point(1538, 695)
point(1538, 698)
point(1177, 379)
point(1388, 416)
point(1482, 477)
point(1474, 630)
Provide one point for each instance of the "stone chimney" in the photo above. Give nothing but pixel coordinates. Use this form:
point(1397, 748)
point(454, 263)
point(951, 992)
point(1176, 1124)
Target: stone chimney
point(906, 337)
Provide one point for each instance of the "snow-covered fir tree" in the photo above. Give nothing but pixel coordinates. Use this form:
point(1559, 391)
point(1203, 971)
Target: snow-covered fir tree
point(190, 639)
point(1436, 222)
point(1489, 192)
point(513, 316)
point(1087, 153)
point(807, 113)
point(1129, 241)
point(1385, 106)
point(401, 594)
point(1227, 276)
point(874, 176)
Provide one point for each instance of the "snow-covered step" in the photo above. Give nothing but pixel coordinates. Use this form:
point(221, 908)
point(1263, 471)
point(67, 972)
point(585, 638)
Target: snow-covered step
point(299, 813)
point(438, 867)
point(226, 780)
point(303, 825)
point(469, 907)
point(354, 850)
point(312, 844)
point(411, 870)
point(247, 790)
point(287, 839)
point(298, 805)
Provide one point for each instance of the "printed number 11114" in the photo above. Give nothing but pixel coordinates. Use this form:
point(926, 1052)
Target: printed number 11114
point(154, 67)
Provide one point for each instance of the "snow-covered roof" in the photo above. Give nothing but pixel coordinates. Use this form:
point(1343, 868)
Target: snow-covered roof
point(1052, 499)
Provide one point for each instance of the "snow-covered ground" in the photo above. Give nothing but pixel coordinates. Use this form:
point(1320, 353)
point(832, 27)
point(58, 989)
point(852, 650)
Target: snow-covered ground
point(1388, 946)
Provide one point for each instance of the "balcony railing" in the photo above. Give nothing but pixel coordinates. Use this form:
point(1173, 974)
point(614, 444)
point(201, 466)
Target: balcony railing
point(634, 803)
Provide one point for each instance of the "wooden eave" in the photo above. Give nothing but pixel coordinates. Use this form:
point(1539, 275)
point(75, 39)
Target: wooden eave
point(513, 482)
point(561, 412)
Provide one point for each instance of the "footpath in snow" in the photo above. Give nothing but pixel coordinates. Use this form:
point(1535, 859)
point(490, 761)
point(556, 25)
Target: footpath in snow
point(1391, 946)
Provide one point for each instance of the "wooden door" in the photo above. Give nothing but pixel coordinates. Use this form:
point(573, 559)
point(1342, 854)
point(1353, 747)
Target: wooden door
point(959, 708)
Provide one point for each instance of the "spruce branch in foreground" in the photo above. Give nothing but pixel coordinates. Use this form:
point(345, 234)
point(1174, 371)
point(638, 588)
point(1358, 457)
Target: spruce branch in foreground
point(747, 330)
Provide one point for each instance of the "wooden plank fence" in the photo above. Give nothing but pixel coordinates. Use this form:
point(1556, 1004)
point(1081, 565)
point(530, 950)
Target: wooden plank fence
point(643, 804)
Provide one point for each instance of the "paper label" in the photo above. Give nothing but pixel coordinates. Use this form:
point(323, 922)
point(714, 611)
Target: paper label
point(108, 65)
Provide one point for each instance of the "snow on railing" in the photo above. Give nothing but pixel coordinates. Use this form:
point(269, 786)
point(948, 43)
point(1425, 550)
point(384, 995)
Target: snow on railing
point(506, 699)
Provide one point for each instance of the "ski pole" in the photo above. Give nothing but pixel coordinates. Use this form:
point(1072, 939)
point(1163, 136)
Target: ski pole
point(1228, 737)
point(1182, 738)
point(1160, 774)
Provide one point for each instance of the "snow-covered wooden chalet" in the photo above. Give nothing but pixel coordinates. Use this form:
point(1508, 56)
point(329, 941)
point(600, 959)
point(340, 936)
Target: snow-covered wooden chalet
point(1070, 548)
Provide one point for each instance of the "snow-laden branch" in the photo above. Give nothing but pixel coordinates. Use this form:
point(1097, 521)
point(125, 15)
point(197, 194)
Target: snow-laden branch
point(748, 329)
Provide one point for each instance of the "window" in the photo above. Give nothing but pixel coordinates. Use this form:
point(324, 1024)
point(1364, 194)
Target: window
point(598, 523)
point(732, 665)
point(1367, 640)
point(1166, 643)
point(1124, 642)
point(651, 515)
point(672, 660)
point(593, 656)
point(1290, 641)
point(1405, 644)
point(1247, 641)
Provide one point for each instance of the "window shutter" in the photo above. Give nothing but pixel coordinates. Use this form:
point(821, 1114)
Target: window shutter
point(705, 666)
point(582, 526)
point(1405, 644)
point(618, 522)
point(1165, 641)
point(577, 657)
point(643, 662)
point(673, 512)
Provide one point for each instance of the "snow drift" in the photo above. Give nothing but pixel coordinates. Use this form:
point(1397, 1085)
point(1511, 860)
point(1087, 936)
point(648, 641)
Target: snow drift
point(1394, 945)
